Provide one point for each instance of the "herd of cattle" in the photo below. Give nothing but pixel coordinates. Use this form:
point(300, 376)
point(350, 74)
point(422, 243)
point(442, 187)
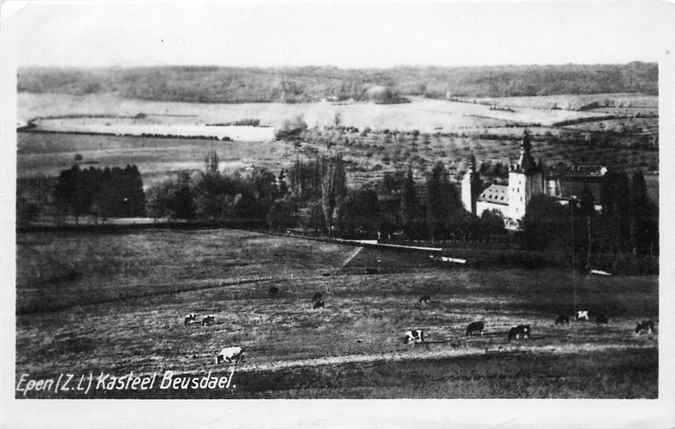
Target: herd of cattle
point(236, 354)
point(416, 336)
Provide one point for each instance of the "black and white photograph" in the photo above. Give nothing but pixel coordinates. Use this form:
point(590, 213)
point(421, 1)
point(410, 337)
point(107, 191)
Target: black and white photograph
point(337, 201)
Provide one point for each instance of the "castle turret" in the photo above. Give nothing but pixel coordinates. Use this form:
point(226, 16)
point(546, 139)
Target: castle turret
point(526, 179)
point(470, 186)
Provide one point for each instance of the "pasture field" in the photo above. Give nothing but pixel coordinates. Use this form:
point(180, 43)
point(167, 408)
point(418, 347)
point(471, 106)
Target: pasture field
point(607, 102)
point(48, 154)
point(124, 312)
point(150, 126)
point(423, 114)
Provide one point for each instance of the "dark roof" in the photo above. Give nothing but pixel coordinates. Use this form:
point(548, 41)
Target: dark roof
point(570, 187)
point(496, 194)
point(526, 162)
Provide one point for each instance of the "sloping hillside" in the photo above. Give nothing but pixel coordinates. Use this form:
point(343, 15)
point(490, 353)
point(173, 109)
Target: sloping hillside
point(295, 84)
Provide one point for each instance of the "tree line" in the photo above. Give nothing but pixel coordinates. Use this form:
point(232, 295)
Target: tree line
point(628, 222)
point(102, 192)
point(295, 84)
point(314, 194)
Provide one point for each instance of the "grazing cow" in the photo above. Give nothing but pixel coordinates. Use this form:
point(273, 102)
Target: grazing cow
point(520, 331)
point(473, 327)
point(208, 319)
point(582, 315)
point(562, 319)
point(601, 319)
point(645, 326)
point(317, 297)
point(371, 271)
point(318, 304)
point(274, 291)
point(426, 299)
point(414, 336)
point(230, 354)
point(189, 319)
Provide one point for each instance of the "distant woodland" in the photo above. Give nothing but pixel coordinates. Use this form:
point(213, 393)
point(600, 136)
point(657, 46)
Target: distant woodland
point(300, 84)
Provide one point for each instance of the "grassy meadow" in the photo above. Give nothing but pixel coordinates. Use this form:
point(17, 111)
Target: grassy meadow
point(48, 154)
point(124, 312)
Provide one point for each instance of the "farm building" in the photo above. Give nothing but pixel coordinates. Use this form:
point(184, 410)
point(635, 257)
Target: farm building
point(528, 178)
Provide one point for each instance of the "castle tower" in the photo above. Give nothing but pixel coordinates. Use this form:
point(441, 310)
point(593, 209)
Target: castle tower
point(526, 178)
point(470, 186)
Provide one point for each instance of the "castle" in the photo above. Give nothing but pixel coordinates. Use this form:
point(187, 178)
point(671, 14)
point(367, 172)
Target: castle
point(527, 178)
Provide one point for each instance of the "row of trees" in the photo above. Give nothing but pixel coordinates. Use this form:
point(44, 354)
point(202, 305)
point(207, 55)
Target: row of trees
point(106, 192)
point(314, 194)
point(212, 196)
point(627, 222)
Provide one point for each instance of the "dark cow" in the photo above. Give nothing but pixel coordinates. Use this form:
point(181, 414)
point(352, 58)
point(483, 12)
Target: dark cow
point(645, 326)
point(475, 327)
point(318, 304)
point(414, 336)
point(189, 319)
point(426, 299)
point(274, 291)
point(317, 297)
point(208, 319)
point(601, 319)
point(562, 319)
point(371, 270)
point(520, 331)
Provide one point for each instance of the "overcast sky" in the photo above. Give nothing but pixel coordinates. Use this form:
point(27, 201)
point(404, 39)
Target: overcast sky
point(347, 35)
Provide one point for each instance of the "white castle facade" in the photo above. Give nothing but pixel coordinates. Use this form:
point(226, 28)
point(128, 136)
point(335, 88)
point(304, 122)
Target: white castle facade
point(526, 179)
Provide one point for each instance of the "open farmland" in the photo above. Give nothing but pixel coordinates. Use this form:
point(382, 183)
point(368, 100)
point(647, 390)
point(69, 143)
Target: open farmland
point(417, 133)
point(123, 311)
point(423, 114)
point(593, 102)
point(368, 156)
point(49, 153)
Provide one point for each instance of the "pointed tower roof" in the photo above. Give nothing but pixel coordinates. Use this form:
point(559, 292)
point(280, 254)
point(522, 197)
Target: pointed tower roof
point(526, 162)
point(472, 163)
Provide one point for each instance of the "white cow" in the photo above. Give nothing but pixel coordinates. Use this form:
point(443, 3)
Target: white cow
point(414, 336)
point(230, 354)
point(582, 315)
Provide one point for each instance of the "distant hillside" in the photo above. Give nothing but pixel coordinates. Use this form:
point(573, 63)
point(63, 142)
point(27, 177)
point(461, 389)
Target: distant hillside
point(297, 84)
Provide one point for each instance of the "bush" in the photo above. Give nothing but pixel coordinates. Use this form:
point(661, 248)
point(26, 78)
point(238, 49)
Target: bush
point(291, 128)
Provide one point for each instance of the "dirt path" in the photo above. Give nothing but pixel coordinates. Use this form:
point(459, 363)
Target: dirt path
point(418, 353)
point(402, 355)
